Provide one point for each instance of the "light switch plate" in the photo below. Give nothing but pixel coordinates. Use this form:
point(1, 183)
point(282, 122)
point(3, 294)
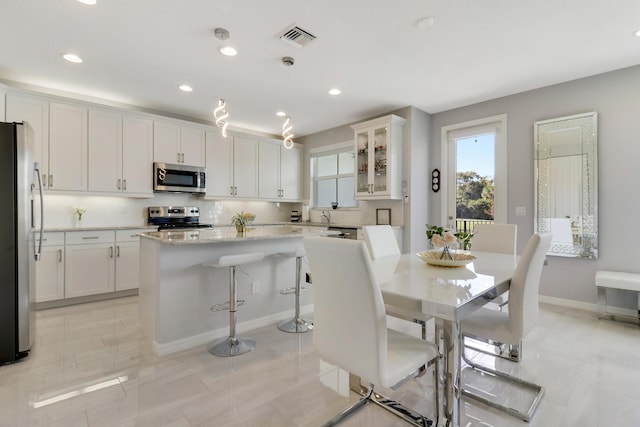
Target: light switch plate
point(521, 210)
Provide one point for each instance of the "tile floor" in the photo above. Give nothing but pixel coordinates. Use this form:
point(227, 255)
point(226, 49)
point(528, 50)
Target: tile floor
point(92, 367)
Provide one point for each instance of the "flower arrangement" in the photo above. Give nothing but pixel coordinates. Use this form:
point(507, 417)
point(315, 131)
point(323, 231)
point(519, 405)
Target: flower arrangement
point(442, 237)
point(80, 212)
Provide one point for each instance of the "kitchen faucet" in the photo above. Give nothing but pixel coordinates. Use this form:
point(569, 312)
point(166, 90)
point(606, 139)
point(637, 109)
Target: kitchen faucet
point(326, 215)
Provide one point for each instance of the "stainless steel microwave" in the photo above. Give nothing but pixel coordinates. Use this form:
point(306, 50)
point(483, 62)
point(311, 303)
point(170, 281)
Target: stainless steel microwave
point(179, 178)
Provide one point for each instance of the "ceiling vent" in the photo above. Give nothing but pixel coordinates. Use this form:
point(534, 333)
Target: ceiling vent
point(296, 36)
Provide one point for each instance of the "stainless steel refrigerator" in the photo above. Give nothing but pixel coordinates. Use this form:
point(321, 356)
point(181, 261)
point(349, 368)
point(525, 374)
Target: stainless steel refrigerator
point(20, 244)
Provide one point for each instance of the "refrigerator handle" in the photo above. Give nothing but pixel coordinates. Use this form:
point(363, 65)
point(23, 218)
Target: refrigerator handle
point(37, 172)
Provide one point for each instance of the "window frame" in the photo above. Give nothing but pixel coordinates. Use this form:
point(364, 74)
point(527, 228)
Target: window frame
point(337, 149)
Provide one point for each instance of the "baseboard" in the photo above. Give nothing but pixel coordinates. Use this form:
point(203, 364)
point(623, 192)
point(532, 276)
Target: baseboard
point(585, 306)
point(241, 327)
point(81, 300)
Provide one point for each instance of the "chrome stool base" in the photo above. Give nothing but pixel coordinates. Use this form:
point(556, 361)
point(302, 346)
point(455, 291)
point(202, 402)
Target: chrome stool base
point(295, 326)
point(231, 346)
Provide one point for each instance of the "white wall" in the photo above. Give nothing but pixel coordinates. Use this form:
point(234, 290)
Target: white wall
point(613, 96)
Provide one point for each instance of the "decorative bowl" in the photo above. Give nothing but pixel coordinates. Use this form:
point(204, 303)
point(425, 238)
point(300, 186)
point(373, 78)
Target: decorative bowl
point(432, 257)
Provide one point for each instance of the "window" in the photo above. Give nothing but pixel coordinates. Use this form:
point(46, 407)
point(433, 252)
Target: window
point(334, 177)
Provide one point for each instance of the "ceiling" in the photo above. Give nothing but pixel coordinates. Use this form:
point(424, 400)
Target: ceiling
point(138, 51)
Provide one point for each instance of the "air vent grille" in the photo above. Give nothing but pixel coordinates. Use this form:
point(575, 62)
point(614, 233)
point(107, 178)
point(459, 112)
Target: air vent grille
point(296, 36)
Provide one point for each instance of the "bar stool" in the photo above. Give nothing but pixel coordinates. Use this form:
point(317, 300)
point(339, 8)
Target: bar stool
point(297, 324)
point(232, 345)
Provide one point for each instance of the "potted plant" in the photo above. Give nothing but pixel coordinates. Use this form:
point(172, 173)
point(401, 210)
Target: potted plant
point(240, 220)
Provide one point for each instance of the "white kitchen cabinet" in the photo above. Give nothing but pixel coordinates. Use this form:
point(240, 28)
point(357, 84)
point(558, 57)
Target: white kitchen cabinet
point(105, 151)
point(89, 263)
point(137, 155)
point(177, 144)
point(378, 147)
point(232, 166)
point(120, 153)
point(3, 104)
point(34, 112)
point(269, 170)
point(280, 171)
point(192, 145)
point(49, 269)
point(127, 275)
point(291, 173)
point(67, 147)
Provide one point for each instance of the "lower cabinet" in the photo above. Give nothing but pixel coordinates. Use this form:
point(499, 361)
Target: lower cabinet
point(90, 263)
point(82, 263)
point(127, 259)
point(50, 268)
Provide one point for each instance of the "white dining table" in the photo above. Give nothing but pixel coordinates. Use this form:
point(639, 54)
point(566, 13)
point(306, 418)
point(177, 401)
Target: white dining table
point(448, 295)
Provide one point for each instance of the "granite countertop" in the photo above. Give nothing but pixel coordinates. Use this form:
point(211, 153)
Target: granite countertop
point(228, 234)
point(121, 227)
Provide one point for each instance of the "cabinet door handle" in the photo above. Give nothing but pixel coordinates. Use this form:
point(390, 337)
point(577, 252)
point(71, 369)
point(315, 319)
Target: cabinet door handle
point(110, 251)
point(91, 237)
point(59, 255)
point(182, 156)
point(178, 154)
point(118, 251)
point(118, 183)
point(231, 190)
point(50, 181)
point(236, 191)
point(124, 184)
point(44, 180)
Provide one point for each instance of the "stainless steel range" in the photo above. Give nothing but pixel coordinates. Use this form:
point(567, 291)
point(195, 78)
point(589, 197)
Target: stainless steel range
point(175, 217)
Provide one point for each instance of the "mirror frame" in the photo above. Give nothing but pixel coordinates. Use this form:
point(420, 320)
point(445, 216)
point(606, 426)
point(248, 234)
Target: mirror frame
point(572, 140)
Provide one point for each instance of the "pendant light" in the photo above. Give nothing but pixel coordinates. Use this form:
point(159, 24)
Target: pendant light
point(287, 135)
point(220, 114)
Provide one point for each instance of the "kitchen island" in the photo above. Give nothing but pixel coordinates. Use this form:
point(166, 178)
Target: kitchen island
point(177, 292)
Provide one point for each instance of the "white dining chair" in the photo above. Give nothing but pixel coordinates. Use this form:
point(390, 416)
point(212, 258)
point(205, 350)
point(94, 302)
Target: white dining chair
point(512, 326)
point(380, 240)
point(500, 238)
point(383, 248)
point(350, 327)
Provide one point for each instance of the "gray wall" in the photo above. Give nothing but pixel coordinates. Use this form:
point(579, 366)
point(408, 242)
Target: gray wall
point(614, 96)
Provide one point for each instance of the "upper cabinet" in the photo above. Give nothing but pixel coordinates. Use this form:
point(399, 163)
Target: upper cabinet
point(67, 147)
point(173, 143)
point(34, 113)
point(120, 153)
point(3, 95)
point(280, 171)
point(378, 147)
point(232, 166)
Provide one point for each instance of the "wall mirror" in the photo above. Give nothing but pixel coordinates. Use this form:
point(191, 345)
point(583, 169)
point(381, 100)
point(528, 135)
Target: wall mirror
point(566, 181)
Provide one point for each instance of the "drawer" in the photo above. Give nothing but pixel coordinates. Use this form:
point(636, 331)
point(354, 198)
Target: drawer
point(52, 238)
point(131, 235)
point(88, 237)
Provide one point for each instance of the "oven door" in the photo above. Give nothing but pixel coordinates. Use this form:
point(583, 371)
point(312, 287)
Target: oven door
point(178, 178)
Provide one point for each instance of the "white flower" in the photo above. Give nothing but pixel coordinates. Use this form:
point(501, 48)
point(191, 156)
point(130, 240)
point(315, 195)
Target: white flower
point(448, 237)
point(437, 240)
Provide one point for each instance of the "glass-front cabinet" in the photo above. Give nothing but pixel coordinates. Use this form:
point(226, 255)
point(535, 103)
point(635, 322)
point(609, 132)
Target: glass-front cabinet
point(378, 147)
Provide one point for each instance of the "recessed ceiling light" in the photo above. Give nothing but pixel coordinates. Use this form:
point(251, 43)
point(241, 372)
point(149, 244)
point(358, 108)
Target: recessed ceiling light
point(424, 23)
point(335, 91)
point(185, 88)
point(637, 33)
point(228, 51)
point(281, 114)
point(88, 1)
point(72, 58)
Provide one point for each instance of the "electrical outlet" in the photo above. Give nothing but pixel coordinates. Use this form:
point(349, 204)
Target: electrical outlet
point(521, 210)
point(255, 287)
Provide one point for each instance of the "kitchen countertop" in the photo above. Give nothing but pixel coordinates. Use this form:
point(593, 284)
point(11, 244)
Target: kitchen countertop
point(229, 234)
point(122, 227)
